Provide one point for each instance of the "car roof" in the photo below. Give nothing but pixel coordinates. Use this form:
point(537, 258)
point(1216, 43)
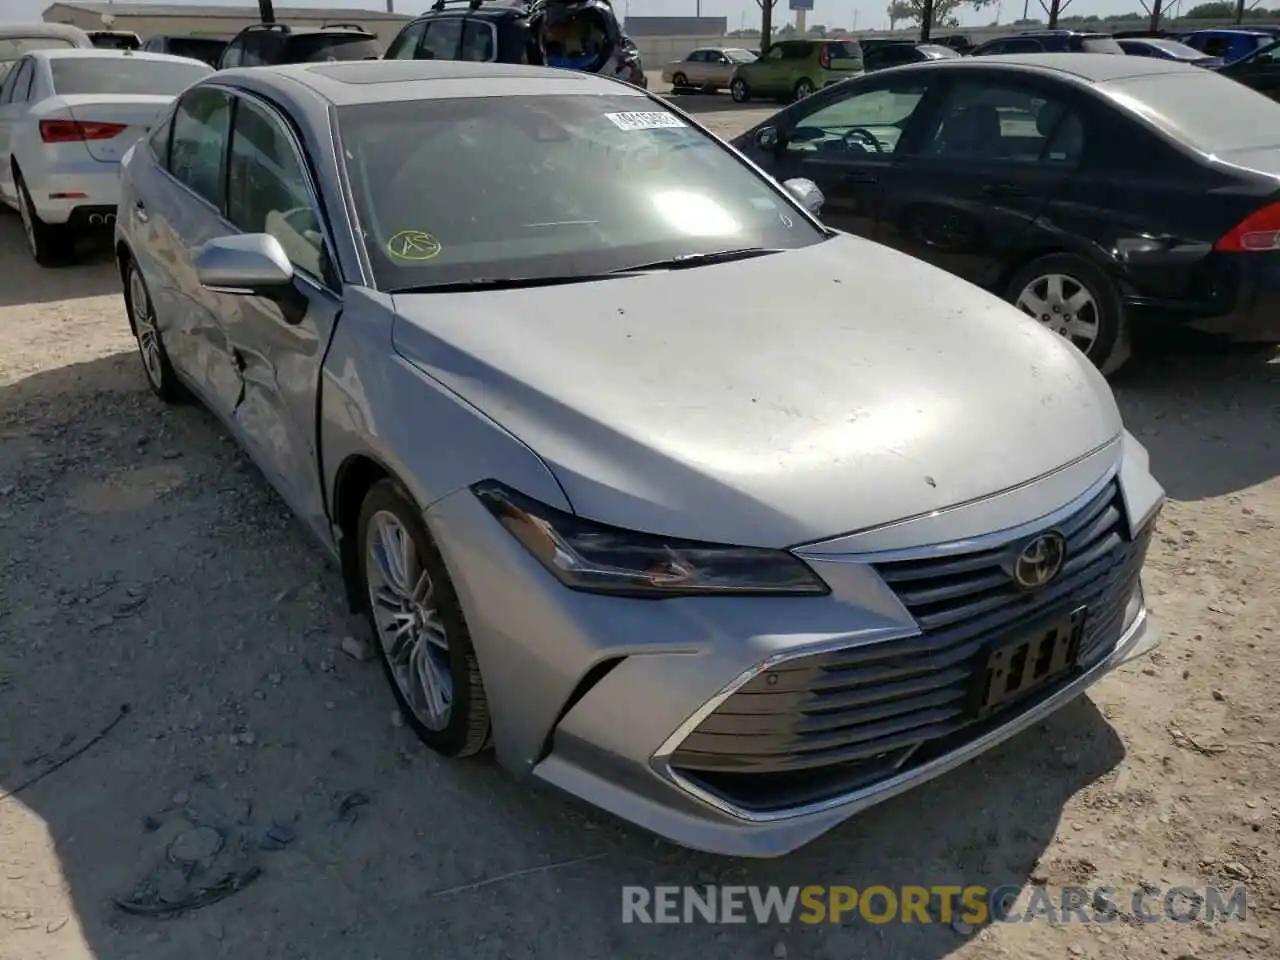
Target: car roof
point(63, 31)
point(1089, 67)
point(106, 53)
point(375, 81)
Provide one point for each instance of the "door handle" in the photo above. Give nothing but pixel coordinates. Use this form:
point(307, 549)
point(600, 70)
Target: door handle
point(1003, 190)
point(140, 211)
point(862, 177)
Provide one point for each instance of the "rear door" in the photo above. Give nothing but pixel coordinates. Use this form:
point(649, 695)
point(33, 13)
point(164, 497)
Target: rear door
point(13, 104)
point(846, 141)
point(269, 190)
point(996, 148)
point(178, 207)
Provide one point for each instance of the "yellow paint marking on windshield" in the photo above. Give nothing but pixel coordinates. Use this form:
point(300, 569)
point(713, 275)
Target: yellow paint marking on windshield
point(413, 245)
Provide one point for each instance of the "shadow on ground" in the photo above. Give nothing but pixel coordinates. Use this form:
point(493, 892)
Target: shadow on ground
point(92, 273)
point(1211, 421)
point(145, 562)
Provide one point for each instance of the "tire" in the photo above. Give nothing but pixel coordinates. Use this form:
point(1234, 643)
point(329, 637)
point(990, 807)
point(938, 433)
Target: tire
point(50, 244)
point(740, 92)
point(156, 366)
point(679, 82)
point(1098, 326)
point(803, 88)
point(438, 637)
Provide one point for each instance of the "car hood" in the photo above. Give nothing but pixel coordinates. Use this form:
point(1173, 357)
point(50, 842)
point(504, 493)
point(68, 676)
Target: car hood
point(772, 401)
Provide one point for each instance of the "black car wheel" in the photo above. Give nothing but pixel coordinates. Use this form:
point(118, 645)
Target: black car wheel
point(804, 88)
point(739, 90)
point(679, 82)
point(421, 633)
point(50, 244)
point(1076, 300)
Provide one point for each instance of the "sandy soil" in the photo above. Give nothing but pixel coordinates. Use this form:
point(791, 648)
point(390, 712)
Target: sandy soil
point(145, 562)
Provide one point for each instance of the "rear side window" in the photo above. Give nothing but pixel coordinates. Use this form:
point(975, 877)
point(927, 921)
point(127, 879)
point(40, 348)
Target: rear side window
point(796, 51)
point(480, 42)
point(840, 50)
point(1211, 113)
point(443, 38)
point(309, 48)
point(124, 75)
point(405, 45)
point(201, 125)
point(1023, 45)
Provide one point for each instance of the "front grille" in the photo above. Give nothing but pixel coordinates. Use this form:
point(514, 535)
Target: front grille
point(822, 725)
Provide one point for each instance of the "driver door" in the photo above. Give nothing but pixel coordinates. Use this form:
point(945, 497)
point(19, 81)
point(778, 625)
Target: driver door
point(847, 140)
point(279, 360)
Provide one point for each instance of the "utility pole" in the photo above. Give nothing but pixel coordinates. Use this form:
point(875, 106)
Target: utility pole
point(1156, 13)
point(1239, 11)
point(926, 20)
point(1055, 7)
point(266, 11)
point(766, 22)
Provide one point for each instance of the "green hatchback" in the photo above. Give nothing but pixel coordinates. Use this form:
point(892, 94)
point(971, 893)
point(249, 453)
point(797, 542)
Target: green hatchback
point(793, 69)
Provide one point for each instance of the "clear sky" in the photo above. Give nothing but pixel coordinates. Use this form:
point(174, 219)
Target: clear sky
point(864, 14)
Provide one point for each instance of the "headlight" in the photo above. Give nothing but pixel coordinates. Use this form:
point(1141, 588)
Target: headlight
point(585, 555)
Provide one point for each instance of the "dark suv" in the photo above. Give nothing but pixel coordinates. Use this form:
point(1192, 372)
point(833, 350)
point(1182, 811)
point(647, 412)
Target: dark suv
point(486, 32)
point(1051, 41)
point(465, 30)
point(272, 44)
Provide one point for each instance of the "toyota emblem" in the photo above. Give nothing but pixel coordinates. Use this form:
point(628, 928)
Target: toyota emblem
point(1040, 561)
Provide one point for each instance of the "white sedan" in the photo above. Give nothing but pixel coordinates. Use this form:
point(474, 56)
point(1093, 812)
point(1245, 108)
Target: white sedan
point(66, 119)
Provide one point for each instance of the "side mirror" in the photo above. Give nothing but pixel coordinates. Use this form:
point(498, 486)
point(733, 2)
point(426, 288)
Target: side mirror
point(767, 139)
point(250, 265)
point(807, 192)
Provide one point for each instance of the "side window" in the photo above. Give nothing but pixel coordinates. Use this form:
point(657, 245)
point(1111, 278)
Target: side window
point(405, 45)
point(201, 125)
point(1024, 45)
point(252, 48)
point(1215, 46)
point(849, 126)
point(233, 56)
point(479, 41)
point(159, 141)
point(773, 53)
point(993, 121)
point(16, 76)
point(796, 51)
point(443, 37)
point(22, 89)
point(267, 190)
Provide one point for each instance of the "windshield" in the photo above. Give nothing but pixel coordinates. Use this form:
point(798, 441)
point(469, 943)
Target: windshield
point(1213, 114)
point(196, 48)
point(116, 41)
point(548, 186)
point(124, 74)
point(740, 56)
point(12, 49)
point(310, 48)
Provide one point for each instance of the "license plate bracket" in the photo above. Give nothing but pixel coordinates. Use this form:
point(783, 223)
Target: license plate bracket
point(1016, 668)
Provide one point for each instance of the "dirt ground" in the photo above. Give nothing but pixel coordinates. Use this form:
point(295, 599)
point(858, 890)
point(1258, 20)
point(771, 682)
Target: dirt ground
point(145, 562)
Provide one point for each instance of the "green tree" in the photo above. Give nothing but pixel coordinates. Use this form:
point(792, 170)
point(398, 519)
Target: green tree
point(912, 11)
point(1211, 11)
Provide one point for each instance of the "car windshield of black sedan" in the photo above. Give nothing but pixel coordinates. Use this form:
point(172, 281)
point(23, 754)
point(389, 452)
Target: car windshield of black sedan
point(124, 74)
point(541, 187)
point(1201, 109)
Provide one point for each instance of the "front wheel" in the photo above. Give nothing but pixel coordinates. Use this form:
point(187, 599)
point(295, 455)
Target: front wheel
point(1075, 300)
point(679, 82)
point(739, 91)
point(155, 359)
point(421, 633)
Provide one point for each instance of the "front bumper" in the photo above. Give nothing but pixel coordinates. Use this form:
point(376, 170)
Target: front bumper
point(604, 696)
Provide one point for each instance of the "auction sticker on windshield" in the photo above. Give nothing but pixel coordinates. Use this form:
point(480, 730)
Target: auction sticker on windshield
point(654, 120)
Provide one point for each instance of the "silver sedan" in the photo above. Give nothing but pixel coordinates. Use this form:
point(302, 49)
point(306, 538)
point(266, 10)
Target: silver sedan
point(709, 69)
point(721, 520)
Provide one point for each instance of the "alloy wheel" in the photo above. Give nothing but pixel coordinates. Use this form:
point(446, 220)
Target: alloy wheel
point(803, 89)
point(738, 90)
point(410, 628)
point(144, 325)
point(1064, 305)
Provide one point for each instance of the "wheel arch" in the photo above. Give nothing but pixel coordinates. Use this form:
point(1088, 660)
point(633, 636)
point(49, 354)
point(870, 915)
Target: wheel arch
point(124, 256)
point(1093, 255)
point(352, 482)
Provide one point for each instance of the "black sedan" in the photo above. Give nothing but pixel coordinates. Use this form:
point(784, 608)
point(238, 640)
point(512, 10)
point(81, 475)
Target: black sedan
point(1259, 70)
point(1095, 192)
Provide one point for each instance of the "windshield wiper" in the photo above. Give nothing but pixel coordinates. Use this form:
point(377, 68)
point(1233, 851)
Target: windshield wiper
point(699, 259)
point(504, 283)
